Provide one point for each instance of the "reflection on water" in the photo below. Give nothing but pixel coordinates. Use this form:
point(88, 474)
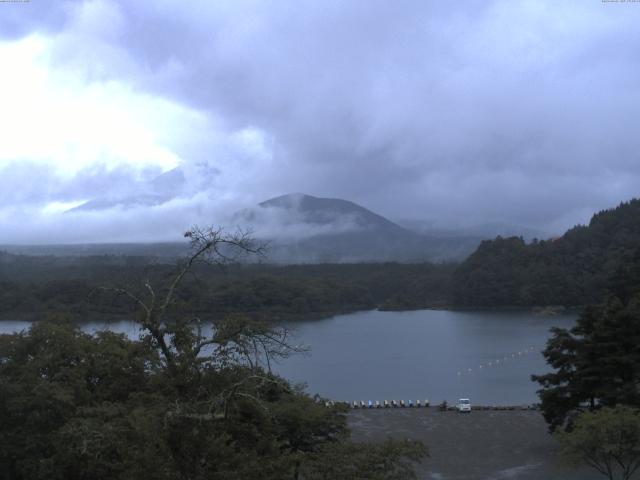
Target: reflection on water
point(411, 355)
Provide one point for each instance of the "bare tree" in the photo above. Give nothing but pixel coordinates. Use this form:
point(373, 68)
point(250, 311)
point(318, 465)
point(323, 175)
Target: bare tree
point(187, 346)
point(182, 341)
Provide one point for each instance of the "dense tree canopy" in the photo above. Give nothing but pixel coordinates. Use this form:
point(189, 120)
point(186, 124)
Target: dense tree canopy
point(30, 286)
point(74, 405)
point(572, 270)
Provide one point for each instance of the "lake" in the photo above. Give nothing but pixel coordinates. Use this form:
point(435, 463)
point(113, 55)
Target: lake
point(424, 354)
point(486, 356)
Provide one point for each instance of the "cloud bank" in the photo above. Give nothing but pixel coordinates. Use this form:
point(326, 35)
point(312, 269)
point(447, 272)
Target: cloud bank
point(457, 113)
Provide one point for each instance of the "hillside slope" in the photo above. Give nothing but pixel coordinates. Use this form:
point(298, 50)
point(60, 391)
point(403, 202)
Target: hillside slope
point(571, 270)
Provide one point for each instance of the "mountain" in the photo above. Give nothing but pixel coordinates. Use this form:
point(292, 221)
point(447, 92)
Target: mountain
point(306, 229)
point(574, 269)
point(299, 228)
point(157, 191)
point(303, 215)
point(325, 211)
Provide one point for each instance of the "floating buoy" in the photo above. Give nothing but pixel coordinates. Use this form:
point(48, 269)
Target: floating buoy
point(496, 362)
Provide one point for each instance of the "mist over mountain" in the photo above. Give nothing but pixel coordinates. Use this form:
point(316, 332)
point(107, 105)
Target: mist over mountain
point(303, 215)
point(482, 230)
point(297, 227)
point(325, 211)
point(159, 190)
point(306, 229)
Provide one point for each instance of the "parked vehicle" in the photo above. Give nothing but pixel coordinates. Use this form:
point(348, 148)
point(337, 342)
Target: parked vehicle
point(464, 405)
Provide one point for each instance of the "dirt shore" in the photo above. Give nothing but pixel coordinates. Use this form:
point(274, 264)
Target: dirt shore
point(481, 445)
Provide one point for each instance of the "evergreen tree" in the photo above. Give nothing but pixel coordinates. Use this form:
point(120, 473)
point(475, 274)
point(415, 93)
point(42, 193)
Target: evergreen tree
point(597, 362)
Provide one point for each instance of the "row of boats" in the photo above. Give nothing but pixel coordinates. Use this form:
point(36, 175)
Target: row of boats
point(390, 404)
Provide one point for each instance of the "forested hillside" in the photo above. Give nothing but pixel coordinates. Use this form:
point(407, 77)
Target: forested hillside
point(571, 270)
point(30, 286)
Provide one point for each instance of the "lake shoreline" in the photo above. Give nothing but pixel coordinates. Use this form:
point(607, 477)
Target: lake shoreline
point(288, 317)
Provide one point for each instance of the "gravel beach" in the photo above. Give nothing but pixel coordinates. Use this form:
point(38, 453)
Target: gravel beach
point(481, 445)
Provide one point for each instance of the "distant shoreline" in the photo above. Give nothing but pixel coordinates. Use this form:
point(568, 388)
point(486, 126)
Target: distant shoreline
point(288, 317)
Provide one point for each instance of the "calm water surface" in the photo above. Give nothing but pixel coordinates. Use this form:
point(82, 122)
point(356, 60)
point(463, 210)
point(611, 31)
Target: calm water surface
point(411, 355)
point(424, 354)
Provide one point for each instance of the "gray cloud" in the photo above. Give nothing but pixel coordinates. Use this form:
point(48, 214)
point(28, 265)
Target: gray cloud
point(457, 112)
point(23, 18)
point(30, 184)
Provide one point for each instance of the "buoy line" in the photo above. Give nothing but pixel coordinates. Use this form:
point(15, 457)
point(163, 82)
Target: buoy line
point(498, 361)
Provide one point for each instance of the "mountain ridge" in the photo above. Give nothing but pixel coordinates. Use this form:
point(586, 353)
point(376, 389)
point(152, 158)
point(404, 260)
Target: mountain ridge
point(303, 228)
point(319, 209)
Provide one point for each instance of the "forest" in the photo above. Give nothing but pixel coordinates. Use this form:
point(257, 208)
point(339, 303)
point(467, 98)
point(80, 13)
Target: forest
point(31, 286)
point(572, 270)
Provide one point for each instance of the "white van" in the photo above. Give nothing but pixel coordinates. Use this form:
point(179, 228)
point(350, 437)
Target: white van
point(464, 405)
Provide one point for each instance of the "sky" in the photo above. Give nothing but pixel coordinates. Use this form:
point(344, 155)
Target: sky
point(451, 113)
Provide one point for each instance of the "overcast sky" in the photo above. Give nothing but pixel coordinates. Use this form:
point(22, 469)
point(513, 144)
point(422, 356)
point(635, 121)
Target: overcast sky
point(457, 113)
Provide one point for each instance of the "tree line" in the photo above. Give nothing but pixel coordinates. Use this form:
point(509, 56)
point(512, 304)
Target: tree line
point(30, 286)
